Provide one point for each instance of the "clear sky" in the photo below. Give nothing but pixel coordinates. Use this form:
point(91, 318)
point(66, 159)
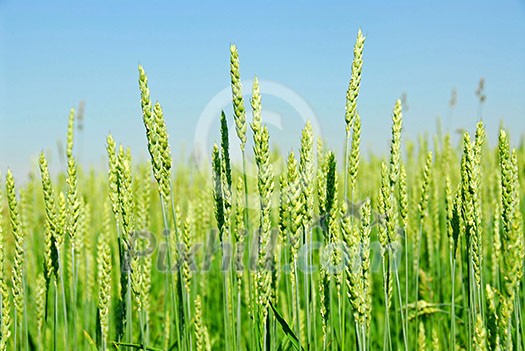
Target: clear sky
point(55, 54)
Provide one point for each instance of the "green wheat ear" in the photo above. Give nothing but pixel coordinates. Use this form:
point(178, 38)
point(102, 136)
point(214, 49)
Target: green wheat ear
point(125, 192)
point(493, 335)
point(403, 198)
point(480, 334)
point(307, 173)
point(353, 157)
point(330, 187)
point(51, 227)
point(201, 331)
point(265, 186)
point(469, 198)
point(70, 133)
point(355, 81)
point(436, 345)
point(225, 150)
point(157, 136)
point(40, 300)
point(295, 202)
point(104, 266)
point(61, 220)
point(383, 207)
point(18, 261)
point(218, 191)
point(256, 108)
point(512, 238)
point(425, 184)
point(112, 174)
point(238, 101)
point(421, 338)
point(162, 152)
point(395, 146)
point(239, 229)
point(5, 315)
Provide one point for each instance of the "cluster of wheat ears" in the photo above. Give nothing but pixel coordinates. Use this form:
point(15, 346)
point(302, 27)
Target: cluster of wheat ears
point(420, 251)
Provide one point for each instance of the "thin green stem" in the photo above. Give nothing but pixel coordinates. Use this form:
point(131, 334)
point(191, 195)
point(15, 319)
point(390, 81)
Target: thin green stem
point(406, 285)
point(25, 329)
point(453, 306)
point(74, 294)
point(398, 285)
point(306, 292)
point(64, 303)
point(129, 316)
point(168, 279)
point(418, 250)
point(297, 305)
point(387, 342)
point(239, 324)
point(55, 314)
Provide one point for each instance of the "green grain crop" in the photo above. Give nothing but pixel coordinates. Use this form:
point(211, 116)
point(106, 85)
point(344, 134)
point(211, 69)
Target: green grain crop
point(419, 249)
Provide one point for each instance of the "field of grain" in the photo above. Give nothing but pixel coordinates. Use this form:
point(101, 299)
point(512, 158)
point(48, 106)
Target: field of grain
point(422, 249)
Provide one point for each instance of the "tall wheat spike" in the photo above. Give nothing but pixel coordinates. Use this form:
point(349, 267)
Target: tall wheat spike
point(18, 287)
point(51, 228)
point(307, 185)
point(265, 186)
point(73, 216)
point(355, 81)
point(512, 238)
point(351, 103)
point(104, 265)
point(294, 213)
point(469, 200)
point(238, 100)
point(5, 303)
point(201, 331)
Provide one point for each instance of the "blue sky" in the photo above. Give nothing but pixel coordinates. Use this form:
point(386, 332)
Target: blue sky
point(57, 53)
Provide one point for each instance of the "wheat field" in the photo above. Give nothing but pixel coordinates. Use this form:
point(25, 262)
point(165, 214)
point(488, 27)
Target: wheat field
point(419, 249)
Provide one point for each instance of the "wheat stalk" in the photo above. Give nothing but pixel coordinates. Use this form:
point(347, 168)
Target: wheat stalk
point(18, 283)
point(5, 304)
